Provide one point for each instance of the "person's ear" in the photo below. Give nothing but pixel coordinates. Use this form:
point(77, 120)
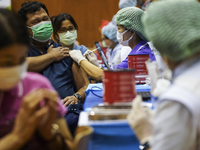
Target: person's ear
point(132, 33)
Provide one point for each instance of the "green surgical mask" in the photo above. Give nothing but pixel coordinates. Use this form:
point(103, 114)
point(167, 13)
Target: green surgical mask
point(104, 44)
point(42, 31)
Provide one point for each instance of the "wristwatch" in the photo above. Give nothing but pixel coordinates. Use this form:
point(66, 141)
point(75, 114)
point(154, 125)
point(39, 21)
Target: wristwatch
point(144, 146)
point(78, 96)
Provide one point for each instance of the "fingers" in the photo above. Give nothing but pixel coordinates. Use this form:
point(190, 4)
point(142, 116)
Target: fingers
point(65, 99)
point(38, 114)
point(65, 49)
point(69, 100)
point(31, 101)
point(137, 101)
point(92, 55)
point(89, 57)
point(87, 53)
point(50, 47)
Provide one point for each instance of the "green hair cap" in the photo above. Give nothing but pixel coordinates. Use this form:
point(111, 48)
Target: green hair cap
point(130, 18)
point(173, 26)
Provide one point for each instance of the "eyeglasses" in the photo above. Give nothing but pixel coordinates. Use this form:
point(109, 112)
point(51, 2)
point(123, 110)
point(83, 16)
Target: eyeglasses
point(66, 29)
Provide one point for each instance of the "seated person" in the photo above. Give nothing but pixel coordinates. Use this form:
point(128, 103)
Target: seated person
point(60, 73)
point(130, 33)
point(109, 40)
point(68, 80)
point(29, 103)
point(65, 32)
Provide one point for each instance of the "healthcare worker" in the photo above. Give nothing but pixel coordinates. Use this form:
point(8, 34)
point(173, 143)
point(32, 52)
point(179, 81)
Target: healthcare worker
point(131, 33)
point(123, 4)
point(109, 40)
point(176, 124)
point(65, 32)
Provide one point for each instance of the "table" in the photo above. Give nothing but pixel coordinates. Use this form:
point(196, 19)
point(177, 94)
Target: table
point(108, 135)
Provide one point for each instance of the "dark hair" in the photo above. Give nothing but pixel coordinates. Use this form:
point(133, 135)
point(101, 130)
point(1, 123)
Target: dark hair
point(52, 19)
point(58, 21)
point(13, 30)
point(29, 8)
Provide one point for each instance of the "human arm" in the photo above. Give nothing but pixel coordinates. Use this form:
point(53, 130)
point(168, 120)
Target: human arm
point(38, 63)
point(172, 126)
point(64, 130)
point(92, 70)
point(26, 122)
point(81, 82)
point(55, 138)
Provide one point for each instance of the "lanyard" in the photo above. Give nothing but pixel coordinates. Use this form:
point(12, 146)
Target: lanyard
point(141, 47)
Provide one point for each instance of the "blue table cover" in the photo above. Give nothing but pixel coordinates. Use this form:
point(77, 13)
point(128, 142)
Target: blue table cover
point(94, 94)
point(116, 136)
point(113, 137)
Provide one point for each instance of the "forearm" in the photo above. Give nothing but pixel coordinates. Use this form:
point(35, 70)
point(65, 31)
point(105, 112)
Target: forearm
point(80, 80)
point(65, 132)
point(81, 91)
point(11, 142)
point(93, 71)
point(58, 143)
point(39, 63)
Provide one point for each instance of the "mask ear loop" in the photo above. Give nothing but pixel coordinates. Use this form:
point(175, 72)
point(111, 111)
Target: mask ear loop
point(130, 37)
point(32, 32)
point(123, 34)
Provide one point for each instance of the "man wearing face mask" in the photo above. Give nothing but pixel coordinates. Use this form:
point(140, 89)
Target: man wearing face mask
point(109, 40)
point(131, 33)
point(69, 81)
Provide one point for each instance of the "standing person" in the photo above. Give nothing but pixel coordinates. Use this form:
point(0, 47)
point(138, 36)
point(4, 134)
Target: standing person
point(65, 32)
point(131, 33)
point(176, 124)
point(29, 104)
point(109, 40)
point(68, 80)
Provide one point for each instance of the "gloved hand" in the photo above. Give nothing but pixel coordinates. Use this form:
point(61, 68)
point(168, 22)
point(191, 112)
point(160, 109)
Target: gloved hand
point(91, 57)
point(140, 120)
point(76, 55)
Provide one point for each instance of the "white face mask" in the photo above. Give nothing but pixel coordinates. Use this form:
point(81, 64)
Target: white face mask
point(10, 77)
point(68, 37)
point(120, 38)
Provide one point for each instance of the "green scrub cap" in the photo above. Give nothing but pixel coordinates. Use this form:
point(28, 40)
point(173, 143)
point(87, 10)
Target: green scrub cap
point(173, 26)
point(130, 18)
